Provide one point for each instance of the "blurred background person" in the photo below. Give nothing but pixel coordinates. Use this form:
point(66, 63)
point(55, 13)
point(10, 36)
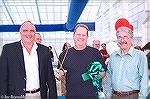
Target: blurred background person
point(96, 44)
point(146, 49)
point(138, 47)
point(66, 46)
point(63, 81)
point(105, 55)
point(38, 38)
point(104, 52)
point(51, 53)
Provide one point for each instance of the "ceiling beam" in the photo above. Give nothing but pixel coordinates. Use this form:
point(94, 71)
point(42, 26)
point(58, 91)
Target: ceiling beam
point(75, 10)
point(45, 27)
point(8, 12)
point(37, 7)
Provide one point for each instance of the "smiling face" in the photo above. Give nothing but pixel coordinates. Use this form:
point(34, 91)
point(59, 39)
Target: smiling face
point(96, 44)
point(124, 40)
point(27, 32)
point(38, 38)
point(80, 37)
point(103, 46)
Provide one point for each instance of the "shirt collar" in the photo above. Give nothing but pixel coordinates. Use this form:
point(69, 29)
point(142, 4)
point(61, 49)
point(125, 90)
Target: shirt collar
point(35, 46)
point(130, 52)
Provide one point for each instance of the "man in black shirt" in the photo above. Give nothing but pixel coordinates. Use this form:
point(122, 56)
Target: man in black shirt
point(76, 61)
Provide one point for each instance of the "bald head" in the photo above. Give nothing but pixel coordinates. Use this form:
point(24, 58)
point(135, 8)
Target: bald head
point(96, 44)
point(27, 32)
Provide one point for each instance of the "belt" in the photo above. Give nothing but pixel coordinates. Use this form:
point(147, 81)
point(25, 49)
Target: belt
point(33, 91)
point(125, 93)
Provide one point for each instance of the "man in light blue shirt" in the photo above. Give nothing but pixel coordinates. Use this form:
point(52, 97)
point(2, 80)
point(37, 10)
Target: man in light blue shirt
point(127, 75)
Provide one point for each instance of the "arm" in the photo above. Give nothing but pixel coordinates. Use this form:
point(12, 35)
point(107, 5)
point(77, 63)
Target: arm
point(60, 58)
point(106, 55)
point(60, 73)
point(103, 74)
point(3, 72)
point(108, 80)
point(51, 80)
point(143, 73)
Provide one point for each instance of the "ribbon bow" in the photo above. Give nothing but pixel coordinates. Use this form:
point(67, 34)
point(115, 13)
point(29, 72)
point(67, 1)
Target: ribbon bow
point(93, 73)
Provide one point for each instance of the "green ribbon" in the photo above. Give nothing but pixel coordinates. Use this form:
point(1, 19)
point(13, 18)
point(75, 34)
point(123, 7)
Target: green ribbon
point(93, 73)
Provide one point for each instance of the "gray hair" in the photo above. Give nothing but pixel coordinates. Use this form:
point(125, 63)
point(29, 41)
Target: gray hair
point(125, 29)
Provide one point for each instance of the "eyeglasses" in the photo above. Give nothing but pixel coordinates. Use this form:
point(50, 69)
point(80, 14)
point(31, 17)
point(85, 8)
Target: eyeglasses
point(32, 31)
point(39, 39)
point(124, 38)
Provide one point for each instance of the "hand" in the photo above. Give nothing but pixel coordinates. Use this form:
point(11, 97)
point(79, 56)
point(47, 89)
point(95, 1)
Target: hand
point(102, 74)
point(59, 74)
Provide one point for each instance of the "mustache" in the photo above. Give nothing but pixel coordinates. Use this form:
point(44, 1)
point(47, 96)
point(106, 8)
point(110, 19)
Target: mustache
point(120, 43)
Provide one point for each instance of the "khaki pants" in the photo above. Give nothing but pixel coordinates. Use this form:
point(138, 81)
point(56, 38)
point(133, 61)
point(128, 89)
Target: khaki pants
point(63, 86)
